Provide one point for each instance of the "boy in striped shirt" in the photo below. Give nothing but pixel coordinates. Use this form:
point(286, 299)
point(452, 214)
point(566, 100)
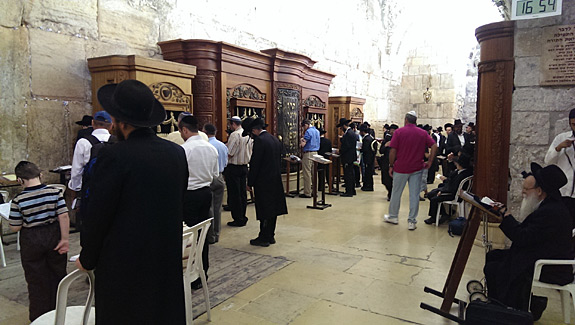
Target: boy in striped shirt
point(39, 212)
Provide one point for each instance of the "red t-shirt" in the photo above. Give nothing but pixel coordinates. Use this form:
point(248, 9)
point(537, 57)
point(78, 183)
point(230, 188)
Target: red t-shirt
point(410, 143)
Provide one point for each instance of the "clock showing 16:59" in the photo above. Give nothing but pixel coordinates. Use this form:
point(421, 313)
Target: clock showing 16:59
point(527, 9)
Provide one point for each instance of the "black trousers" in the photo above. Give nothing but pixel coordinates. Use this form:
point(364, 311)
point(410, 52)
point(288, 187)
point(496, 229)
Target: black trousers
point(267, 229)
point(197, 205)
point(386, 180)
point(349, 178)
point(514, 294)
point(570, 204)
point(357, 174)
point(368, 175)
point(43, 266)
point(321, 182)
point(435, 200)
point(236, 181)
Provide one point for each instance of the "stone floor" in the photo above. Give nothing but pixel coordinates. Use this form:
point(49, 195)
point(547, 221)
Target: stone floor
point(349, 268)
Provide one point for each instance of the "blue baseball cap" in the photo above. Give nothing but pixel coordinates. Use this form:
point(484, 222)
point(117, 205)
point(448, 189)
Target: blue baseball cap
point(102, 116)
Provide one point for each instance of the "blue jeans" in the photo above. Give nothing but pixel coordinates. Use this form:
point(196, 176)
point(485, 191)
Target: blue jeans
point(399, 181)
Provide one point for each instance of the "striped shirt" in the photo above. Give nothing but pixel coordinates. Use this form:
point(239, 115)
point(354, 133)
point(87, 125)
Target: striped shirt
point(239, 148)
point(37, 206)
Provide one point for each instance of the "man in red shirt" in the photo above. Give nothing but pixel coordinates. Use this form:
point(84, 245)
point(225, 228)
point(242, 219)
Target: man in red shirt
point(406, 164)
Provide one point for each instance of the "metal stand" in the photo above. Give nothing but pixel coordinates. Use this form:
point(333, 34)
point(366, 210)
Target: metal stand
point(294, 193)
point(320, 205)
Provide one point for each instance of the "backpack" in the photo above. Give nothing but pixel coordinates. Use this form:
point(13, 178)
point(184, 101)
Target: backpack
point(88, 173)
point(456, 226)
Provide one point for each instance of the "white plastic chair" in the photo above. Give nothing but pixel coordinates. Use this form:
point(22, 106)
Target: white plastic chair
point(464, 185)
point(567, 291)
point(192, 247)
point(75, 315)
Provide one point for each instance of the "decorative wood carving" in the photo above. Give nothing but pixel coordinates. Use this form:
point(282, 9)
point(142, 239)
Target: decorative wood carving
point(316, 119)
point(356, 114)
point(495, 87)
point(314, 101)
point(287, 118)
point(171, 95)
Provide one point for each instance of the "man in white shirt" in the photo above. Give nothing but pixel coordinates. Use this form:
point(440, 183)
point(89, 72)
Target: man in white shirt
point(562, 153)
point(202, 160)
point(102, 124)
point(239, 154)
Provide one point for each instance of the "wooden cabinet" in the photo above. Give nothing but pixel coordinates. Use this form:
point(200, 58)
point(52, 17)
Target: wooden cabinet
point(170, 82)
point(281, 87)
point(343, 106)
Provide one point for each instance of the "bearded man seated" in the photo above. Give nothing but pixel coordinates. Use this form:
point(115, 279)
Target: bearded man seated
point(544, 234)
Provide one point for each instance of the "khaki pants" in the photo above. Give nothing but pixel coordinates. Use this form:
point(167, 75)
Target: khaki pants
point(307, 171)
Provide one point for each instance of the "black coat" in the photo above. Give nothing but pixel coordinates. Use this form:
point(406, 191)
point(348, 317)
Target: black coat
point(265, 177)
point(133, 231)
point(544, 234)
point(453, 144)
point(451, 184)
point(347, 150)
point(367, 149)
point(324, 146)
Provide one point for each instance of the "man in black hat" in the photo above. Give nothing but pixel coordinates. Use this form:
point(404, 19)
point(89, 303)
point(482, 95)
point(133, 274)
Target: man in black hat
point(132, 234)
point(86, 124)
point(384, 149)
point(368, 153)
point(265, 178)
point(348, 156)
point(544, 234)
point(324, 148)
point(562, 153)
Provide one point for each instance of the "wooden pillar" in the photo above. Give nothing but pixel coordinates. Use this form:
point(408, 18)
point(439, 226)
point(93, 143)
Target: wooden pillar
point(494, 91)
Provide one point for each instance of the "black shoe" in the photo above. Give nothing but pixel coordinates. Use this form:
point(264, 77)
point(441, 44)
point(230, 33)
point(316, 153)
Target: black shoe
point(444, 219)
point(212, 241)
point(538, 305)
point(227, 208)
point(421, 199)
point(236, 224)
point(259, 242)
point(272, 241)
point(357, 185)
point(305, 196)
point(346, 195)
point(429, 221)
point(388, 199)
point(365, 189)
point(197, 283)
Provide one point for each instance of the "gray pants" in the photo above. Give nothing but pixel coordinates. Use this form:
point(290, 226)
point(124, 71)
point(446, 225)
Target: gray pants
point(217, 188)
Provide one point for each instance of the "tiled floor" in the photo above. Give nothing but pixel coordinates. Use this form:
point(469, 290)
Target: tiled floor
point(349, 268)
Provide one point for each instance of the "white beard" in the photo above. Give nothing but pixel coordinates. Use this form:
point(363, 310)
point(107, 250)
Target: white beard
point(528, 205)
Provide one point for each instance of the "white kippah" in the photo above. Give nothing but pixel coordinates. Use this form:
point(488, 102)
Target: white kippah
point(412, 113)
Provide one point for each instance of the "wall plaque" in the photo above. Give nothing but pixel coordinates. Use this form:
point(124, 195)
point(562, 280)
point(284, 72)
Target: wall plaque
point(558, 57)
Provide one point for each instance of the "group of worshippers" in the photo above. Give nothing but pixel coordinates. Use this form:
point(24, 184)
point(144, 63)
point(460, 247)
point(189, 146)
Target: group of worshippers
point(142, 191)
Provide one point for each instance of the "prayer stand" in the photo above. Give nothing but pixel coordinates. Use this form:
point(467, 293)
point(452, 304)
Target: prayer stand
point(459, 262)
point(298, 164)
point(317, 172)
point(335, 173)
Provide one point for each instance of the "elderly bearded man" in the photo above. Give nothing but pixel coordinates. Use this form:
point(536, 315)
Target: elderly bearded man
point(544, 234)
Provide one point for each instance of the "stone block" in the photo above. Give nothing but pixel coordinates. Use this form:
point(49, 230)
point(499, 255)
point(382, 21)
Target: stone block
point(137, 28)
point(434, 110)
point(11, 13)
point(59, 68)
point(543, 99)
point(528, 42)
point(530, 128)
point(66, 17)
point(449, 111)
point(415, 97)
point(560, 126)
point(527, 71)
point(51, 131)
point(408, 82)
point(446, 81)
point(15, 88)
point(442, 95)
point(418, 82)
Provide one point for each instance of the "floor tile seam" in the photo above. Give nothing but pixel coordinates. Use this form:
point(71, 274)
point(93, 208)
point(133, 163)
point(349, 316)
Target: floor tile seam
point(370, 311)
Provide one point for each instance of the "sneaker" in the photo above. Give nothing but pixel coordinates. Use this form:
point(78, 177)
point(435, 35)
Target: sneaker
point(411, 225)
point(386, 218)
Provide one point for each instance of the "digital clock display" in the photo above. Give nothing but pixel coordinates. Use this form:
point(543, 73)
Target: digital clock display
point(527, 9)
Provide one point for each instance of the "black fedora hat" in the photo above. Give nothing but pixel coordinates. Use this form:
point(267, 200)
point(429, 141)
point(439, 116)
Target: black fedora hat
point(86, 120)
point(132, 102)
point(249, 123)
point(246, 123)
point(322, 131)
point(457, 122)
point(342, 121)
point(550, 178)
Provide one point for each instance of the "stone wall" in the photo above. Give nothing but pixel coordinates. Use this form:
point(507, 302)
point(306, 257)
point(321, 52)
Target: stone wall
point(538, 113)
point(44, 45)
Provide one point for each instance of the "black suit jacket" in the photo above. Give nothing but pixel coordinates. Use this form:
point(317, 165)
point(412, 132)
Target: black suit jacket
point(265, 176)
point(451, 185)
point(132, 234)
point(324, 146)
point(453, 144)
point(367, 149)
point(348, 146)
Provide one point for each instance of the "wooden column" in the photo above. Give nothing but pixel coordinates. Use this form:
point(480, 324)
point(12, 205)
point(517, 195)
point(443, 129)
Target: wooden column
point(495, 87)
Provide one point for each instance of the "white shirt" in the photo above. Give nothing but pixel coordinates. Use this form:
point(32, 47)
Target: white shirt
point(461, 139)
point(202, 160)
point(82, 156)
point(176, 137)
point(239, 148)
point(565, 159)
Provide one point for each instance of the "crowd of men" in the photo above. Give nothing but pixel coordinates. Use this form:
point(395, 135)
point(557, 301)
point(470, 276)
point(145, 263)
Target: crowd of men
point(136, 189)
